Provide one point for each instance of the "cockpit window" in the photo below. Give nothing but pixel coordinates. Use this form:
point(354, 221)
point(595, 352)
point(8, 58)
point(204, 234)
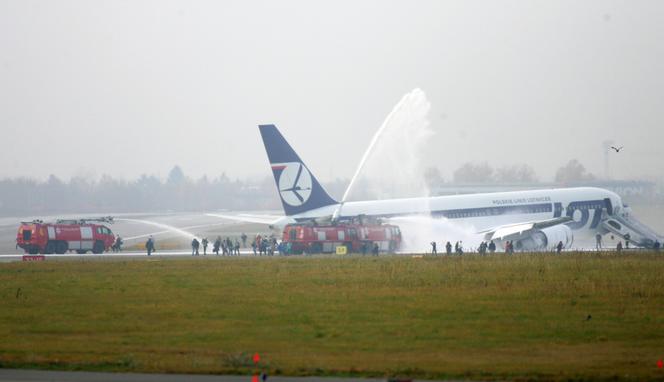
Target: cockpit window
point(609, 206)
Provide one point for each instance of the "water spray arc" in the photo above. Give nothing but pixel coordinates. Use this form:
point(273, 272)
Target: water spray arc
point(165, 227)
point(408, 121)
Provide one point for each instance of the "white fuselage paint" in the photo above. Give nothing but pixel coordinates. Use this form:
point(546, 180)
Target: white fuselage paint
point(490, 210)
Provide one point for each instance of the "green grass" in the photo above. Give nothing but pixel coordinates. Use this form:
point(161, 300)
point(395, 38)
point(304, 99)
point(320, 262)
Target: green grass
point(497, 317)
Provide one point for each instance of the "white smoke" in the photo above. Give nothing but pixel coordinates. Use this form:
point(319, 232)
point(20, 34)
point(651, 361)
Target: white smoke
point(419, 231)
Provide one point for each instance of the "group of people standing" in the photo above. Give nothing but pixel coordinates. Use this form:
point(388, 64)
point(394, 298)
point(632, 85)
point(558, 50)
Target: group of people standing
point(263, 245)
point(458, 248)
point(483, 248)
point(227, 246)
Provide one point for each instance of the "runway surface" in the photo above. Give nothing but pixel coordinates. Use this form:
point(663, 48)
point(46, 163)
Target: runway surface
point(170, 230)
point(11, 375)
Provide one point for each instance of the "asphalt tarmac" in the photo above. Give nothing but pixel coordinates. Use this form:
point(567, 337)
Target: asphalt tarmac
point(168, 229)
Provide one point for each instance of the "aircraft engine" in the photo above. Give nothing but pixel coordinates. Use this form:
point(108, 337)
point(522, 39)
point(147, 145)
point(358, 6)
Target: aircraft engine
point(545, 238)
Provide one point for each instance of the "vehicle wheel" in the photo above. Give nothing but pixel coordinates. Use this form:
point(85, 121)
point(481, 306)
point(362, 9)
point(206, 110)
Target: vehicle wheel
point(61, 247)
point(81, 251)
point(98, 247)
point(50, 248)
point(316, 248)
point(33, 251)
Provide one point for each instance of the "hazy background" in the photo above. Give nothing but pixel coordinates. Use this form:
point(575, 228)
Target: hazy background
point(126, 88)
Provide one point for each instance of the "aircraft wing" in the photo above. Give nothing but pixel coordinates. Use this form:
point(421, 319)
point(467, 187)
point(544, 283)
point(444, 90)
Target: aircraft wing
point(519, 229)
point(250, 218)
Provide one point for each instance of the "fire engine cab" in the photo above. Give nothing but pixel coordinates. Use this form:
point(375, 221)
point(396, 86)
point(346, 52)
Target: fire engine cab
point(356, 236)
point(80, 235)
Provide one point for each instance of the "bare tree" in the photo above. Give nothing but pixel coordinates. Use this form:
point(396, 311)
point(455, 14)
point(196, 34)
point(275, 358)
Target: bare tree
point(474, 173)
point(573, 171)
point(518, 173)
point(433, 178)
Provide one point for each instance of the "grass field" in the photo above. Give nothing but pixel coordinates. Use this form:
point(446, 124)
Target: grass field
point(540, 317)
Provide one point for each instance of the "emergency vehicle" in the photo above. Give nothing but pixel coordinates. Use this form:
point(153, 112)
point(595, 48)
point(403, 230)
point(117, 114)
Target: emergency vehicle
point(357, 237)
point(79, 235)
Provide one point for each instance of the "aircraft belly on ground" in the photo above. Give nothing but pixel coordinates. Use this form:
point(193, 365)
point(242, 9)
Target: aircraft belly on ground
point(584, 211)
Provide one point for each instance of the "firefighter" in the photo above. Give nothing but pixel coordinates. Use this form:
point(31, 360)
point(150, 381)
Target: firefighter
point(205, 244)
point(627, 237)
point(117, 246)
point(619, 247)
point(263, 247)
point(492, 247)
point(149, 245)
point(375, 250)
point(559, 247)
point(257, 241)
point(448, 248)
point(194, 247)
point(244, 240)
point(433, 248)
point(217, 245)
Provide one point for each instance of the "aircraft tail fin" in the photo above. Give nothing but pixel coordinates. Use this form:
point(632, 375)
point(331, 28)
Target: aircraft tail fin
point(298, 189)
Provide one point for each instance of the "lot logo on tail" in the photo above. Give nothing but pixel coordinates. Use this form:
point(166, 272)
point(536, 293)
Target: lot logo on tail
point(298, 188)
point(294, 183)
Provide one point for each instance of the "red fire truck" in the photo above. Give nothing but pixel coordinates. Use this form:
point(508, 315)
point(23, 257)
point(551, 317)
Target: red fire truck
point(355, 236)
point(79, 235)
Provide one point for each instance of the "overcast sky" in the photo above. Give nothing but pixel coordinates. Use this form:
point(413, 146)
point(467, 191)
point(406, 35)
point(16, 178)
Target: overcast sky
point(131, 87)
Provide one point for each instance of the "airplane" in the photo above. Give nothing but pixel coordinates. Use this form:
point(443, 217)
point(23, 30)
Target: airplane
point(533, 219)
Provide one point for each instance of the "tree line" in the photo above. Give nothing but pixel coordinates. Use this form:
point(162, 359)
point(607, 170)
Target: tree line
point(148, 193)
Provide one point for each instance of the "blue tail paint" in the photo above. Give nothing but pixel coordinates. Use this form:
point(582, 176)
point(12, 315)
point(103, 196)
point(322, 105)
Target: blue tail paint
point(298, 188)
